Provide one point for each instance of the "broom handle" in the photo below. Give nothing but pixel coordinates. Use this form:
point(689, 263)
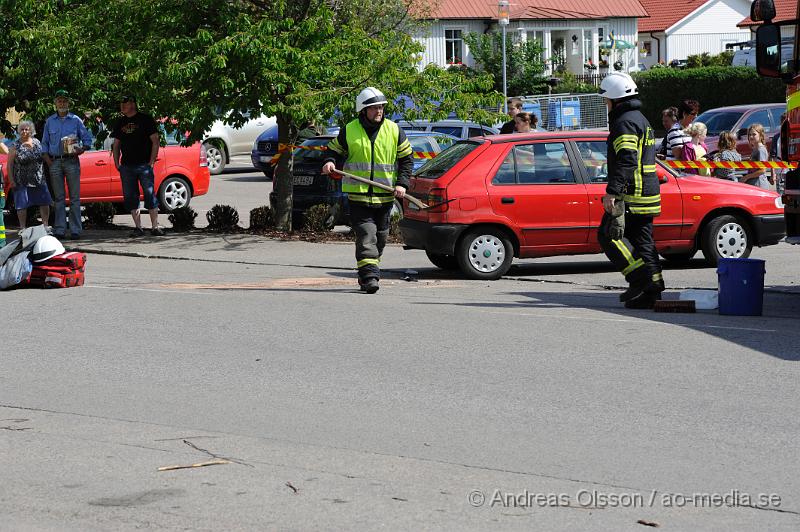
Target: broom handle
point(388, 188)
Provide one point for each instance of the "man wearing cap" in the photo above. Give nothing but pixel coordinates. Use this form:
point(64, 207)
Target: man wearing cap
point(64, 139)
point(136, 139)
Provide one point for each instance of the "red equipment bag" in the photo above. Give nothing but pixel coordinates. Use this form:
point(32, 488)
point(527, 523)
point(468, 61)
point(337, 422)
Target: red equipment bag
point(55, 279)
point(74, 259)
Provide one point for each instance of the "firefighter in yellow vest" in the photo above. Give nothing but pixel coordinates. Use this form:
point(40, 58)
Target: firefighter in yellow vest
point(632, 197)
point(375, 148)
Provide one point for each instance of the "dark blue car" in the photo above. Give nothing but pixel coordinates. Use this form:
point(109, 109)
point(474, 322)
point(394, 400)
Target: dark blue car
point(266, 147)
point(311, 187)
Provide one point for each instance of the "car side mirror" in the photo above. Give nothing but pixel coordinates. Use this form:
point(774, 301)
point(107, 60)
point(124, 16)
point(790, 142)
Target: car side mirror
point(768, 51)
point(741, 133)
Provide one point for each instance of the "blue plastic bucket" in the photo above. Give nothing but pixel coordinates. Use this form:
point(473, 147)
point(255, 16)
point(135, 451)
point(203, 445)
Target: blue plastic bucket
point(741, 286)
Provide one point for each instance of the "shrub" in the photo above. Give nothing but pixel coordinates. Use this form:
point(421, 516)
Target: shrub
point(711, 86)
point(182, 219)
point(222, 218)
point(261, 218)
point(318, 218)
point(99, 214)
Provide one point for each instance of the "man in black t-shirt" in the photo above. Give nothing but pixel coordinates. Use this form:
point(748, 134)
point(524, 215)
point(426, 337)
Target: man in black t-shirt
point(136, 139)
point(514, 108)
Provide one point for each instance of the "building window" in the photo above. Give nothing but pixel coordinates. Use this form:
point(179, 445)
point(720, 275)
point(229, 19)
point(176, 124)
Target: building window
point(453, 47)
point(601, 34)
point(647, 48)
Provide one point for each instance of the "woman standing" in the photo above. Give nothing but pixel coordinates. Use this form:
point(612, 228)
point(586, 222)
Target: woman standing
point(524, 122)
point(25, 166)
point(727, 153)
point(756, 139)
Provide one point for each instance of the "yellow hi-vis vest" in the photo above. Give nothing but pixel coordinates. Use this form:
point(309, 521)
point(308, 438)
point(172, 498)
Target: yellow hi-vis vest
point(377, 162)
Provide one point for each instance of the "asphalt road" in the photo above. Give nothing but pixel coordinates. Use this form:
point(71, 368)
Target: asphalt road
point(532, 403)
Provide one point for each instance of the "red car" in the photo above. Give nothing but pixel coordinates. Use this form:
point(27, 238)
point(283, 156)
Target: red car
point(538, 195)
point(180, 174)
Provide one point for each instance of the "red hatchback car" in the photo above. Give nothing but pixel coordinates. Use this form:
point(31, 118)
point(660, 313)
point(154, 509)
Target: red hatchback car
point(180, 173)
point(538, 195)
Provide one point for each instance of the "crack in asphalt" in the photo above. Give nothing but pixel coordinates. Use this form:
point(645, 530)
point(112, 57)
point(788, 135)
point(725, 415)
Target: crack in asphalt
point(373, 453)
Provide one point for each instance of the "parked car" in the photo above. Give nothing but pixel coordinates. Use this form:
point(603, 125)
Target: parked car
point(737, 118)
point(265, 148)
point(488, 206)
point(180, 174)
point(456, 128)
point(312, 187)
point(224, 141)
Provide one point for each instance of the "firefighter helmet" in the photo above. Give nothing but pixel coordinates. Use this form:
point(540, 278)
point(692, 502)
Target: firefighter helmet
point(368, 97)
point(45, 248)
point(618, 85)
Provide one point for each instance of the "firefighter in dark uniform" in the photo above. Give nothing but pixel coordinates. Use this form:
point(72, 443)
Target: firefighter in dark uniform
point(632, 197)
point(375, 148)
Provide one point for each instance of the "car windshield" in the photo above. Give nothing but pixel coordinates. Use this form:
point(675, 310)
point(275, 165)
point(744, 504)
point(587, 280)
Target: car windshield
point(308, 154)
point(446, 160)
point(719, 121)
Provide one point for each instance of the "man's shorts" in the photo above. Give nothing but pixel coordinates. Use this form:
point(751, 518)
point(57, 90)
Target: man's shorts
point(132, 176)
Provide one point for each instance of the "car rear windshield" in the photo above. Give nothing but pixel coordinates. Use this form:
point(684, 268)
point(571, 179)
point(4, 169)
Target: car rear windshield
point(719, 121)
point(447, 159)
point(307, 154)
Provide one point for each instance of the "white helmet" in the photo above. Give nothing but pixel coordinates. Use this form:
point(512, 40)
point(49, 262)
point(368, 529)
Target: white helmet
point(618, 85)
point(368, 97)
point(45, 248)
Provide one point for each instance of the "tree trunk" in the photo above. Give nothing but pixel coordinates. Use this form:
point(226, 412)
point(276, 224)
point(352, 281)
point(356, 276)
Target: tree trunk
point(282, 177)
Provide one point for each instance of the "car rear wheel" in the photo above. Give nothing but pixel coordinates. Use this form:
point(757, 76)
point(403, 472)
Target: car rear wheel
point(216, 158)
point(726, 237)
point(445, 262)
point(174, 193)
point(484, 253)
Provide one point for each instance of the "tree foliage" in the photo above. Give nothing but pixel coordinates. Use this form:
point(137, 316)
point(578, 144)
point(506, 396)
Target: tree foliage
point(194, 61)
point(525, 66)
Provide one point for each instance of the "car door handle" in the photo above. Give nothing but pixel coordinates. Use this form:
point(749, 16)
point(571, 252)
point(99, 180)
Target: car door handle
point(507, 200)
point(100, 163)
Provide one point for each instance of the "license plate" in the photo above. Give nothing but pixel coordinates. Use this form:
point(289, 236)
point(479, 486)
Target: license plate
point(265, 158)
point(303, 180)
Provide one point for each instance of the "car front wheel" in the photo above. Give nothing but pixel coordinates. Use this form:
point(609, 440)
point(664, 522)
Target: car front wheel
point(216, 158)
point(726, 237)
point(174, 194)
point(484, 254)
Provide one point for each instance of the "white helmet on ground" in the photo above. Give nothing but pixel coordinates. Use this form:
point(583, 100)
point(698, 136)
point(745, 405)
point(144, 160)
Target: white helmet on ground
point(368, 97)
point(45, 248)
point(618, 85)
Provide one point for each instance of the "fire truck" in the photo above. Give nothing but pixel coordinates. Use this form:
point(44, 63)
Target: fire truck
point(769, 63)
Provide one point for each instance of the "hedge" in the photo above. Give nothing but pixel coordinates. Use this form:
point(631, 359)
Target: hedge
point(711, 86)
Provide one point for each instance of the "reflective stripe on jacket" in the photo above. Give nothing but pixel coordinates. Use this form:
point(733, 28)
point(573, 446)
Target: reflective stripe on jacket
point(632, 160)
point(372, 160)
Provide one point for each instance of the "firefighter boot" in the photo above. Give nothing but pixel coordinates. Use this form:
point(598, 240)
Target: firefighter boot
point(645, 300)
point(370, 285)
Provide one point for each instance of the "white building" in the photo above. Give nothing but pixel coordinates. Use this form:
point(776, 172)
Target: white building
point(676, 30)
point(570, 31)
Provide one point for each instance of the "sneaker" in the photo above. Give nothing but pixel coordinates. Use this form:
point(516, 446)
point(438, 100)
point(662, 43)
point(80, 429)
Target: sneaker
point(370, 286)
point(137, 232)
point(157, 231)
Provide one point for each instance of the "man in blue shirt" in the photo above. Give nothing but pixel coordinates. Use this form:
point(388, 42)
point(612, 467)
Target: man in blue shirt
point(64, 139)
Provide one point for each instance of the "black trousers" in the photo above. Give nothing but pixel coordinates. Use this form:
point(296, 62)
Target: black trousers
point(371, 224)
point(635, 254)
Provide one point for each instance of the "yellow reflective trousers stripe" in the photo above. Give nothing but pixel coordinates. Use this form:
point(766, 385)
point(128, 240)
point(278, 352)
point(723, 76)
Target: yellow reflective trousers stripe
point(366, 262)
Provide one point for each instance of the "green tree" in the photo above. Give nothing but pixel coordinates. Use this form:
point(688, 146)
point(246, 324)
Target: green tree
point(297, 60)
point(525, 66)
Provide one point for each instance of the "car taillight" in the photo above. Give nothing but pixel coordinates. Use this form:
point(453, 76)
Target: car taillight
point(437, 199)
point(203, 156)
